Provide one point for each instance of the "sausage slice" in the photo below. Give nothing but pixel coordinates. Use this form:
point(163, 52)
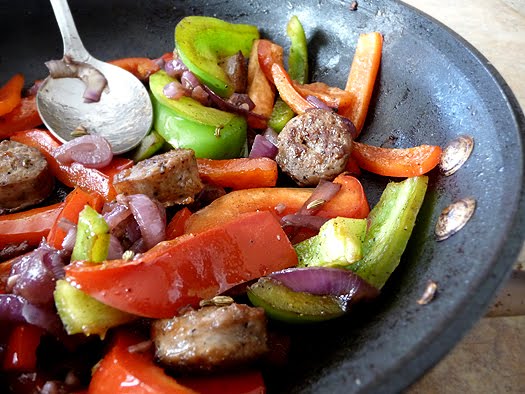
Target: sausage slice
point(25, 178)
point(315, 145)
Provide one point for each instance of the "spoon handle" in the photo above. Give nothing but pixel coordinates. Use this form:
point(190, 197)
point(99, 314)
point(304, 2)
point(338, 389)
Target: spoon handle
point(73, 46)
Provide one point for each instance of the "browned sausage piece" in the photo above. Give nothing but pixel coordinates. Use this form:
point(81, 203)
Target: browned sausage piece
point(211, 338)
point(171, 178)
point(25, 178)
point(315, 145)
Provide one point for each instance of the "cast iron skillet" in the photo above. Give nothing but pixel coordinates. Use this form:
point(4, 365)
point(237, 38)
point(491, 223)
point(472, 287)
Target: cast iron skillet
point(432, 88)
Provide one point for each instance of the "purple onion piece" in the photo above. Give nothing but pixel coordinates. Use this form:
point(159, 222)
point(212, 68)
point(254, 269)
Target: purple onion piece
point(115, 213)
point(11, 307)
point(174, 68)
point(33, 276)
point(93, 79)
point(92, 151)
point(241, 100)
point(115, 250)
point(323, 193)
point(200, 95)
point(318, 103)
point(68, 243)
point(305, 221)
point(263, 148)
point(189, 81)
point(151, 218)
point(342, 283)
point(174, 90)
point(271, 135)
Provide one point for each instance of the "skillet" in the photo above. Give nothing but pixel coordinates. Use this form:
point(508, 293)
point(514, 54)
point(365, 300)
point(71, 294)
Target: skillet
point(432, 87)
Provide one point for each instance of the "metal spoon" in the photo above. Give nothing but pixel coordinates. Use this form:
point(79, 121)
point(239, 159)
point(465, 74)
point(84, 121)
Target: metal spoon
point(124, 113)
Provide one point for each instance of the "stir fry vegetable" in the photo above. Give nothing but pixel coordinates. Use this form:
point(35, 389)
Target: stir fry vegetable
point(146, 251)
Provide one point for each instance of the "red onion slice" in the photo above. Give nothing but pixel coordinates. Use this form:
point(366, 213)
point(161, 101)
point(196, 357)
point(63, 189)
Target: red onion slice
point(323, 193)
point(174, 90)
point(151, 218)
point(317, 102)
point(174, 68)
point(271, 135)
point(92, 151)
point(93, 79)
point(344, 284)
point(262, 147)
point(115, 250)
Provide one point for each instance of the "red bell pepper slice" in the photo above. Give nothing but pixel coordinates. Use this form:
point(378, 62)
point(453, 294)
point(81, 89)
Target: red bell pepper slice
point(122, 371)
point(187, 269)
point(30, 226)
point(21, 348)
point(11, 94)
point(89, 179)
point(407, 162)
point(350, 201)
point(175, 227)
point(73, 204)
point(24, 116)
point(269, 53)
point(239, 382)
point(140, 67)
point(243, 173)
point(362, 77)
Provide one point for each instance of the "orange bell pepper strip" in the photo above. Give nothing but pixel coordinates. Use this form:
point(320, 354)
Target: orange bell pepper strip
point(187, 269)
point(238, 382)
point(122, 371)
point(350, 201)
point(175, 227)
point(362, 77)
point(30, 226)
point(74, 175)
point(140, 67)
point(243, 173)
point(73, 204)
point(20, 353)
point(260, 90)
point(407, 162)
point(287, 91)
point(11, 94)
point(24, 116)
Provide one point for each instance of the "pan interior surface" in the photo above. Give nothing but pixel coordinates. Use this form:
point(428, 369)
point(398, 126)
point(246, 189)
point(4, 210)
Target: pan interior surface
point(432, 88)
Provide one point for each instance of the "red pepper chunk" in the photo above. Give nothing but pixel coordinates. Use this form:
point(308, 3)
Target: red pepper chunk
point(187, 269)
point(122, 371)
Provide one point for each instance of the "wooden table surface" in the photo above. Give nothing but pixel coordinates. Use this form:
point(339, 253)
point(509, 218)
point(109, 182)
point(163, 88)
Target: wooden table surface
point(491, 358)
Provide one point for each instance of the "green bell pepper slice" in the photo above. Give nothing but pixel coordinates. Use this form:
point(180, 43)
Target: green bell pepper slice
point(297, 68)
point(185, 123)
point(391, 223)
point(92, 241)
point(298, 57)
point(281, 303)
point(203, 42)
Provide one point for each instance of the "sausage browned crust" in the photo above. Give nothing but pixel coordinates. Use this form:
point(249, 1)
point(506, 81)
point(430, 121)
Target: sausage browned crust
point(315, 145)
point(171, 178)
point(211, 338)
point(25, 178)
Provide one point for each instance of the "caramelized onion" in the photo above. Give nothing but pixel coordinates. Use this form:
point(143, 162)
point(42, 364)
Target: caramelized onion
point(92, 151)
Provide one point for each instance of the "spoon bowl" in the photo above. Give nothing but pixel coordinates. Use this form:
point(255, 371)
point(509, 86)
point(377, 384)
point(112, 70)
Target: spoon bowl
point(124, 113)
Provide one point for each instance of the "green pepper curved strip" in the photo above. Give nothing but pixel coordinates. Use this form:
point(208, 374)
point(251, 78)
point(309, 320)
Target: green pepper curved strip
point(185, 123)
point(391, 224)
point(149, 145)
point(92, 242)
point(298, 58)
point(297, 68)
point(202, 42)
